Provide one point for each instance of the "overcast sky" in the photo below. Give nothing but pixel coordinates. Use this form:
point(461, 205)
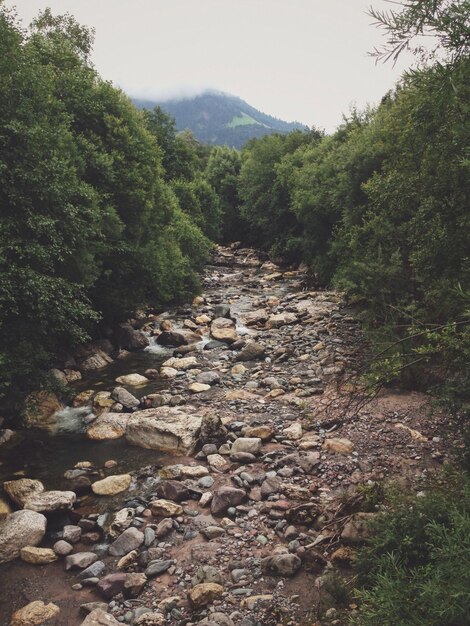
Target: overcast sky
point(303, 60)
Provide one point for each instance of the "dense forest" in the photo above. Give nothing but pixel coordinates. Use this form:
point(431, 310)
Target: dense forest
point(106, 208)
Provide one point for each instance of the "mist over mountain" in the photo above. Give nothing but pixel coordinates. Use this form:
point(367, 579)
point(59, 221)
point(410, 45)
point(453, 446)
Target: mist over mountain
point(220, 119)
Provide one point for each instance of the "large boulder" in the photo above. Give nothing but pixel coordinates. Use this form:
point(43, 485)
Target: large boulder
point(168, 429)
point(40, 409)
point(255, 317)
point(35, 614)
point(185, 363)
point(133, 380)
point(178, 338)
point(18, 530)
point(250, 445)
point(95, 362)
point(281, 319)
point(108, 426)
point(51, 501)
point(131, 339)
point(111, 485)
point(20, 490)
point(223, 329)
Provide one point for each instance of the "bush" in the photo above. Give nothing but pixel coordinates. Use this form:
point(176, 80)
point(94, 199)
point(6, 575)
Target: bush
point(415, 569)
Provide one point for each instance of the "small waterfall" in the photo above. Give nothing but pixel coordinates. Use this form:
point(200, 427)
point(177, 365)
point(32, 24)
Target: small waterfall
point(71, 419)
point(157, 349)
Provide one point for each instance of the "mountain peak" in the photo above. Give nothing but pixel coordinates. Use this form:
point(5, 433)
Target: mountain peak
point(219, 118)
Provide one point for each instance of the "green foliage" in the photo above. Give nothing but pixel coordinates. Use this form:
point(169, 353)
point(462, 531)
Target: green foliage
point(446, 21)
point(199, 200)
point(90, 230)
point(241, 120)
point(264, 191)
point(179, 159)
point(222, 172)
point(379, 209)
point(415, 570)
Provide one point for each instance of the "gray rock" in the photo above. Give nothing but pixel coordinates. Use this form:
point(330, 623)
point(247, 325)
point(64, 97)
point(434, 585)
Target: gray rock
point(164, 527)
point(222, 310)
point(213, 344)
point(205, 482)
point(149, 535)
point(131, 539)
point(224, 498)
point(212, 532)
point(167, 429)
point(112, 584)
point(208, 378)
point(156, 568)
point(281, 565)
point(5, 435)
point(250, 445)
point(125, 398)
point(71, 533)
point(172, 490)
point(62, 548)
point(212, 430)
point(270, 486)
point(206, 574)
point(81, 560)
point(251, 352)
point(50, 501)
point(95, 570)
point(243, 457)
point(134, 584)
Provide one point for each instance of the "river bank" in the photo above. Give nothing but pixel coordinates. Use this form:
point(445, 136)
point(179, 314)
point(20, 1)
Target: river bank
point(239, 510)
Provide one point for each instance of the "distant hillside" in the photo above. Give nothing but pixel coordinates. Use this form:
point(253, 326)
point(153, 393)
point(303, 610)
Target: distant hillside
point(221, 119)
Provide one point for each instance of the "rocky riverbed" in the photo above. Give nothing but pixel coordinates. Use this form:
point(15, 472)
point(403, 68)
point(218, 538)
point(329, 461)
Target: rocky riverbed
point(237, 456)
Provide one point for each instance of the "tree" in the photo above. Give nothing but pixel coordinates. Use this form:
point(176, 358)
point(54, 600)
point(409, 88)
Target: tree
point(445, 23)
point(222, 172)
point(89, 229)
